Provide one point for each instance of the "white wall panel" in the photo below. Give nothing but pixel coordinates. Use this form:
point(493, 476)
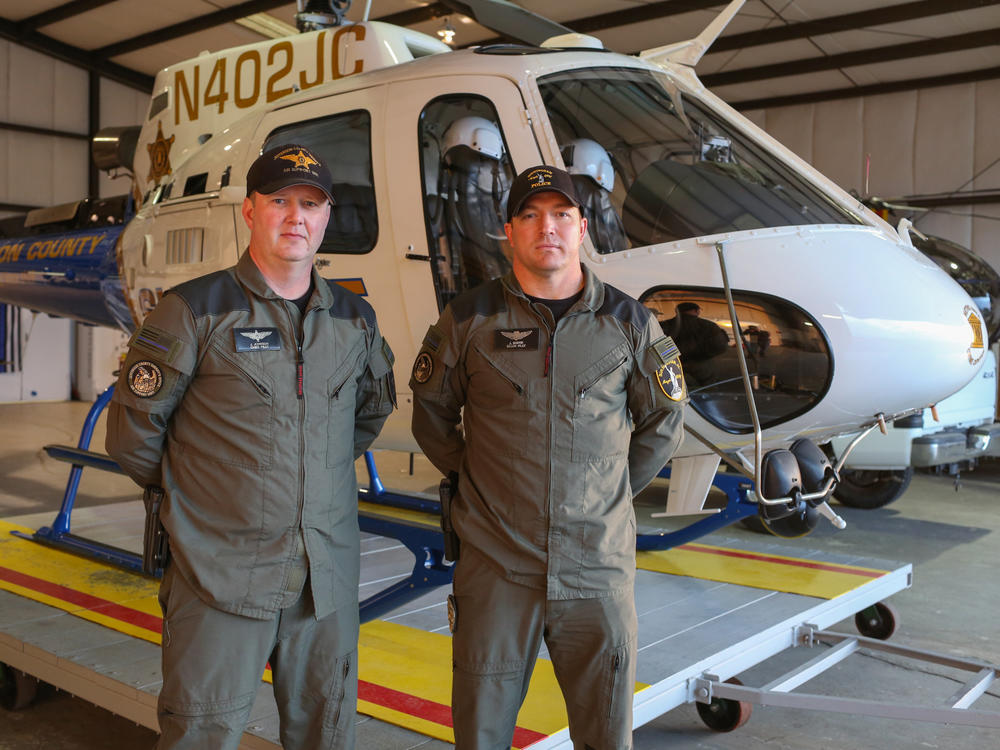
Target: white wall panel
point(943, 144)
point(887, 134)
point(70, 96)
point(69, 170)
point(837, 151)
point(935, 140)
point(986, 160)
point(4, 80)
point(31, 81)
point(793, 126)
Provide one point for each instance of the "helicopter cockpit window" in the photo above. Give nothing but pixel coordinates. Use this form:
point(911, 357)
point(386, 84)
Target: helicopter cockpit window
point(344, 143)
point(788, 356)
point(666, 165)
point(466, 173)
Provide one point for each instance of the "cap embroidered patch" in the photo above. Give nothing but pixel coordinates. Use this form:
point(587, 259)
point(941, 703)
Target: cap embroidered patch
point(145, 379)
point(423, 368)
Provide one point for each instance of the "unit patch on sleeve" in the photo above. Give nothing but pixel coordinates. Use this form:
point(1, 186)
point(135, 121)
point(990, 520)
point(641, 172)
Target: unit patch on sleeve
point(671, 380)
point(145, 379)
point(423, 368)
point(515, 339)
point(257, 339)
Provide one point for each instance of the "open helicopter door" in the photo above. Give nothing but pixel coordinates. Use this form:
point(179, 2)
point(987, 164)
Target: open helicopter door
point(460, 141)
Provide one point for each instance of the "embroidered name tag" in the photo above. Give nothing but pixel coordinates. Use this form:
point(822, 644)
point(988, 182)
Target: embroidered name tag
point(520, 339)
point(257, 339)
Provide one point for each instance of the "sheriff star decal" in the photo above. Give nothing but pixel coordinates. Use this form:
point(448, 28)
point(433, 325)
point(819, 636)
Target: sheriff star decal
point(423, 368)
point(159, 155)
point(145, 379)
point(670, 377)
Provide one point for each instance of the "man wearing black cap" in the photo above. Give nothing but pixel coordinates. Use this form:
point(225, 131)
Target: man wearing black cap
point(247, 394)
point(570, 400)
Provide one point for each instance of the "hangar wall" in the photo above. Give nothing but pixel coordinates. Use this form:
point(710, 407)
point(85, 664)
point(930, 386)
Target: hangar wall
point(920, 142)
point(48, 168)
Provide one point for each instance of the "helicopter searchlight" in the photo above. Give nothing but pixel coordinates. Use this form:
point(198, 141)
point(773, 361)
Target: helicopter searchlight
point(800, 314)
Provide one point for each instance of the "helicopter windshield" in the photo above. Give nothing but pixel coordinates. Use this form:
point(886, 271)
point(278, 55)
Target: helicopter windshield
point(654, 166)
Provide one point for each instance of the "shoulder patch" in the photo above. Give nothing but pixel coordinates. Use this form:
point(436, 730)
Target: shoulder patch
point(433, 338)
point(212, 294)
point(423, 368)
point(157, 343)
point(665, 349)
point(145, 378)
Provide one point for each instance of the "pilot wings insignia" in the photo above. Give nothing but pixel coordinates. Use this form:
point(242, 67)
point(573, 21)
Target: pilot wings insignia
point(520, 339)
point(256, 335)
point(516, 335)
point(256, 339)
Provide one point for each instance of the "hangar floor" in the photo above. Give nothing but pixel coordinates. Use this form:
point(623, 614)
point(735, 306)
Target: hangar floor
point(952, 607)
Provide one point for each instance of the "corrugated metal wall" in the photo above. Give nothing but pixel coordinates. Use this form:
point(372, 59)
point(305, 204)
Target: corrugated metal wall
point(934, 140)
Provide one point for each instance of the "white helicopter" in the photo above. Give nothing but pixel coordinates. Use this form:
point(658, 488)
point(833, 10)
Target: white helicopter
point(809, 294)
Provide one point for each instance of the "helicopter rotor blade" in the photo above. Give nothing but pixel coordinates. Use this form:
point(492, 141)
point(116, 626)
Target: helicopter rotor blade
point(509, 20)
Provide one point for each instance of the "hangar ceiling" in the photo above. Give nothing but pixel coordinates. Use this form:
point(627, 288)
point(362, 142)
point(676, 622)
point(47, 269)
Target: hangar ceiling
point(775, 52)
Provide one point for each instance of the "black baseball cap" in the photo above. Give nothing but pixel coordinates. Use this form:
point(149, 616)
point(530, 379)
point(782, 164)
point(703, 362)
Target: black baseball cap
point(538, 180)
point(284, 166)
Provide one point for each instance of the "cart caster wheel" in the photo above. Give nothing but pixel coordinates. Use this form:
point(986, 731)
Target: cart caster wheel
point(725, 714)
point(17, 689)
point(878, 621)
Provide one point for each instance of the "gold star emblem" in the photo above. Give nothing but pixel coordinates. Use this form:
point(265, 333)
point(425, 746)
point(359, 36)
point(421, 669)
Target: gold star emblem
point(302, 160)
point(159, 155)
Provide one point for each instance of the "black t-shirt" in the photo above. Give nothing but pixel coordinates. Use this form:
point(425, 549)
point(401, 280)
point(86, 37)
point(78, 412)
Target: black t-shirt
point(558, 307)
point(302, 301)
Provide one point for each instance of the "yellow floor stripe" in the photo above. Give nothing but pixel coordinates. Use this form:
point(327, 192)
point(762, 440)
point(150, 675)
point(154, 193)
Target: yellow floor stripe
point(430, 520)
point(774, 572)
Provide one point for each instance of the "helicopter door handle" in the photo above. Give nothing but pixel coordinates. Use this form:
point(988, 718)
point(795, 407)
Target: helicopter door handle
point(417, 256)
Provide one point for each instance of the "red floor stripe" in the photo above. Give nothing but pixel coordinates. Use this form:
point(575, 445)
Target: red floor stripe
point(429, 710)
point(784, 561)
point(115, 611)
point(396, 700)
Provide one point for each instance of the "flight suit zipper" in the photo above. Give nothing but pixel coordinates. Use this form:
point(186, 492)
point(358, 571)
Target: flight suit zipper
point(582, 393)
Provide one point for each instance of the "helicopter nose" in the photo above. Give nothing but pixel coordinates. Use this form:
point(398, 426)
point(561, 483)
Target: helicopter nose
point(903, 333)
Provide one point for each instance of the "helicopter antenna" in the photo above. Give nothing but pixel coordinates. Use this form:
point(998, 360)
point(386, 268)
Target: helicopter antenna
point(320, 14)
point(691, 51)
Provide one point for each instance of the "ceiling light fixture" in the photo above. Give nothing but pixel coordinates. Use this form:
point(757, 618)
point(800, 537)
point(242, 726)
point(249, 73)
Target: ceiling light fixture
point(447, 32)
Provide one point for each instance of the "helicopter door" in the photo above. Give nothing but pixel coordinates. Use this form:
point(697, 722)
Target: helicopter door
point(470, 131)
point(346, 130)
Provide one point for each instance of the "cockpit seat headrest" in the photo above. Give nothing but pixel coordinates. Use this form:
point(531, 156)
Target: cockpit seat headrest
point(584, 156)
point(474, 133)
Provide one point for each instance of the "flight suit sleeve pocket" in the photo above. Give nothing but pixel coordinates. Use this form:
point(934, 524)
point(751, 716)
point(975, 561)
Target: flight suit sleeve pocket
point(380, 370)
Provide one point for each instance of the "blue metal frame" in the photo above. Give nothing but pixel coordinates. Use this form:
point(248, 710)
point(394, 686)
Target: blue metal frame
point(425, 542)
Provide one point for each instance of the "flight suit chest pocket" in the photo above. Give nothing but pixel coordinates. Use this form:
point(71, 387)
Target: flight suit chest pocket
point(341, 396)
point(230, 408)
point(495, 382)
point(601, 427)
point(499, 415)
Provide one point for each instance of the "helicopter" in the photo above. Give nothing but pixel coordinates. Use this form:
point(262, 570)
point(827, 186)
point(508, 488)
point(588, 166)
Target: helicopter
point(689, 205)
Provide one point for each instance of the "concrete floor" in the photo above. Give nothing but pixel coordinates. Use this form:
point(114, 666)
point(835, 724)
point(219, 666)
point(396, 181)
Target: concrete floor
point(953, 607)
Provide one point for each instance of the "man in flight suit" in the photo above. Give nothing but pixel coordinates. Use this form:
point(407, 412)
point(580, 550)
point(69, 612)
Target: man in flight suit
point(570, 401)
point(247, 394)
